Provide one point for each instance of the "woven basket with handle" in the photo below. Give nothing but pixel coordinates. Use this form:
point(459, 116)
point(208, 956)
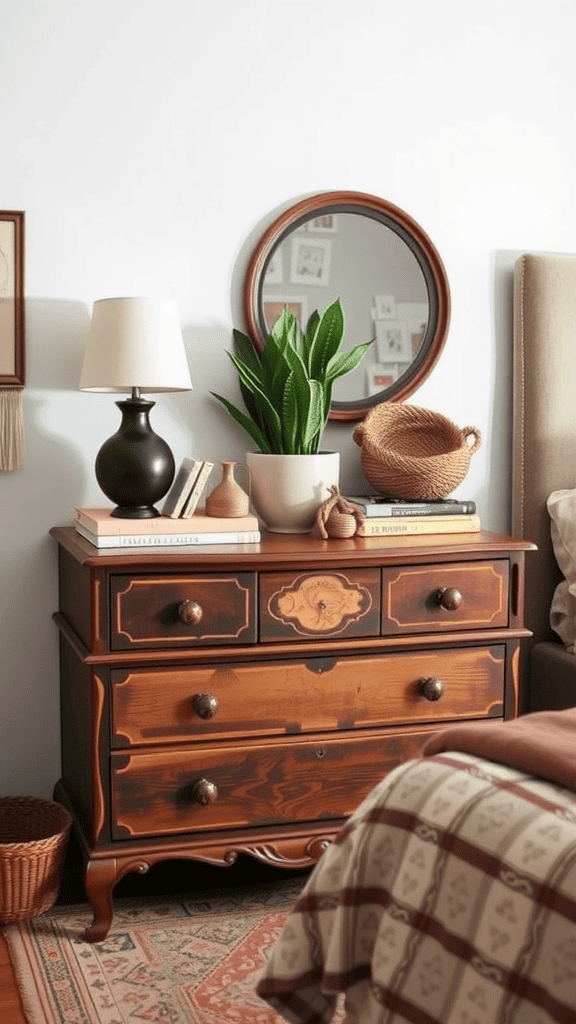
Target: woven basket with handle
point(33, 838)
point(414, 453)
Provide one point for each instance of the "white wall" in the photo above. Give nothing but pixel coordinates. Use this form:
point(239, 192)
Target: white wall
point(149, 144)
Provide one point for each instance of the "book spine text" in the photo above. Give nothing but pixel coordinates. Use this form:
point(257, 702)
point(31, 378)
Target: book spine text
point(149, 540)
point(434, 509)
point(403, 526)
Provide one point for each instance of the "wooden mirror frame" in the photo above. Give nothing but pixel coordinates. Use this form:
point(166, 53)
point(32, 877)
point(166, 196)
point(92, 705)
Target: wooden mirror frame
point(423, 250)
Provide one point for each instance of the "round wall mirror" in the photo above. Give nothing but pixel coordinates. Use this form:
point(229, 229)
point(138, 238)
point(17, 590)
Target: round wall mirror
point(387, 274)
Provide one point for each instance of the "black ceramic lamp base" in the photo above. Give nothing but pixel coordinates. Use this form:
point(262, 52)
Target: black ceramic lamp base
point(135, 466)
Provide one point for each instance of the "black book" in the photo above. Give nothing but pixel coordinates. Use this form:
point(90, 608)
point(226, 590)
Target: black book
point(374, 505)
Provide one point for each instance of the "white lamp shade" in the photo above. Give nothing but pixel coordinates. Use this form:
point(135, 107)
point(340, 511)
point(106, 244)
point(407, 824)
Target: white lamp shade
point(135, 343)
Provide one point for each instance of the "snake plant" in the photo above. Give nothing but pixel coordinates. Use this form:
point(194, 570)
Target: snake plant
point(287, 389)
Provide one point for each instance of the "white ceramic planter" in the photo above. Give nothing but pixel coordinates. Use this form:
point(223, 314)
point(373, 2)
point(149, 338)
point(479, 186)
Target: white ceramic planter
point(287, 490)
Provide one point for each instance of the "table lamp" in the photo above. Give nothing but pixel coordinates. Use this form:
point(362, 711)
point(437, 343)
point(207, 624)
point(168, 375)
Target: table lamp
point(135, 345)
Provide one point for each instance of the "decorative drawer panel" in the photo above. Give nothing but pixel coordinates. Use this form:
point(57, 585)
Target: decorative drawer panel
point(319, 605)
point(171, 792)
point(162, 706)
point(182, 610)
point(465, 595)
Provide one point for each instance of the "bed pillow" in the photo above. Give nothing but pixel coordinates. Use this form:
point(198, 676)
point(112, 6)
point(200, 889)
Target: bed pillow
point(562, 509)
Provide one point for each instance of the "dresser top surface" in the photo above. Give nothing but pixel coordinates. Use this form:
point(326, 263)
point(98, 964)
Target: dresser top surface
point(291, 550)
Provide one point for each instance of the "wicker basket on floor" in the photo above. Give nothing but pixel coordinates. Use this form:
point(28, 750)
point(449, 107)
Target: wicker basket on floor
point(414, 453)
point(33, 838)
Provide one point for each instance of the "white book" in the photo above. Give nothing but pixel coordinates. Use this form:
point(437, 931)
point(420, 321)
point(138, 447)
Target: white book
point(197, 490)
point(183, 483)
point(156, 540)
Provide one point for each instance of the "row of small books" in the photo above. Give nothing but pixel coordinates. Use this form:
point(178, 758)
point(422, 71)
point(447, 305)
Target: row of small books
point(188, 487)
point(98, 526)
point(395, 517)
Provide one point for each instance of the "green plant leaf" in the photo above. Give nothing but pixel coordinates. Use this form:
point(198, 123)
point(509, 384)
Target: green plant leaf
point(316, 419)
point(343, 362)
point(296, 405)
point(308, 337)
point(247, 355)
point(246, 351)
point(287, 389)
point(247, 424)
point(284, 330)
point(290, 418)
point(312, 325)
point(269, 420)
point(327, 340)
point(275, 367)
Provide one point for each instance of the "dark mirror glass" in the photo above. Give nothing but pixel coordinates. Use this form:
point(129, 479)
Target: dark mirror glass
point(383, 268)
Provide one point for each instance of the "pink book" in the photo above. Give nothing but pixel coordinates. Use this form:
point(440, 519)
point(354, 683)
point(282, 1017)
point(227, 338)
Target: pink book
point(100, 522)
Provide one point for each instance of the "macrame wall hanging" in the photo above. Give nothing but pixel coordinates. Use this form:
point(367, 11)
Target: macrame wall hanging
point(12, 334)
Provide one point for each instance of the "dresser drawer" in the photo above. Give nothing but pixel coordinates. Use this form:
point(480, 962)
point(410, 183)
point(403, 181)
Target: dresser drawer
point(319, 604)
point(158, 793)
point(182, 610)
point(466, 595)
point(162, 706)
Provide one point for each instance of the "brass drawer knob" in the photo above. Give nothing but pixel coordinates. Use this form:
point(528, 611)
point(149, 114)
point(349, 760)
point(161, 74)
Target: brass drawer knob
point(431, 687)
point(205, 704)
point(204, 792)
point(189, 612)
point(449, 598)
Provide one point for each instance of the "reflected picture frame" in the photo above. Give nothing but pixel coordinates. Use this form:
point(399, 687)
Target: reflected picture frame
point(12, 326)
point(273, 305)
point(274, 273)
point(392, 341)
point(385, 307)
point(325, 224)
point(380, 376)
point(310, 261)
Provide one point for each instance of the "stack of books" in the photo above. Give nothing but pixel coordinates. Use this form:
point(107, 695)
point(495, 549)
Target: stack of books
point(393, 517)
point(98, 526)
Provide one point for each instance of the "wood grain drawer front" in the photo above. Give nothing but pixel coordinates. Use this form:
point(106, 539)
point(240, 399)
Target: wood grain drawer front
point(182, 610)
point(319, 604)
point(465, 595)
point(162, 706)
point(160, 793)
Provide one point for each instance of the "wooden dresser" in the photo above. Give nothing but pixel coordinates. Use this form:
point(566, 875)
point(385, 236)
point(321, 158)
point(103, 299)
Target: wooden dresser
point(243, 699)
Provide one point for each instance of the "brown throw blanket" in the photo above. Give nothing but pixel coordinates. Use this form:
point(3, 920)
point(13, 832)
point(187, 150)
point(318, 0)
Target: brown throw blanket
point(542, 743)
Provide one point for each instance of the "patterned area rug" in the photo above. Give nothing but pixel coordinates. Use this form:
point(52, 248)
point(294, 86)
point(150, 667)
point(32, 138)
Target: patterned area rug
point(182, 960)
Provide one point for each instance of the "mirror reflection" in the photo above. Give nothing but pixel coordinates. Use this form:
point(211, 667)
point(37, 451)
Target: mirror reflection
point(381, 265)
point(377, 278)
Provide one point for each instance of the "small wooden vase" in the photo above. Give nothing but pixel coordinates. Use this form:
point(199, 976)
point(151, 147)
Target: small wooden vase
point(227, 500)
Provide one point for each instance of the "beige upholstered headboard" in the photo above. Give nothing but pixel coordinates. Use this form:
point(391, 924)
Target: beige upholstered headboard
point(544, 430)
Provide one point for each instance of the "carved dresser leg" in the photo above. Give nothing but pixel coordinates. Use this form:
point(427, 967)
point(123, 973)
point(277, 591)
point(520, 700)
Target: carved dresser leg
point(99, 881)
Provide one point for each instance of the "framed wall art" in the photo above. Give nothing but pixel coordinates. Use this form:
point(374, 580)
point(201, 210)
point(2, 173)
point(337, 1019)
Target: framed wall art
point(12, 334)
point(12, 370)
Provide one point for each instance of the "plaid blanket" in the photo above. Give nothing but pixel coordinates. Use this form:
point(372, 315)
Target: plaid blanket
point(448, 898)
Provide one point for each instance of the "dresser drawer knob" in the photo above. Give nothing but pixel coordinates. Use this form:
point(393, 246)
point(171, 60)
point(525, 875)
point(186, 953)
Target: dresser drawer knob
point(431, 687)
point(449, 598)
point(204, 792)
point(189, 612)
point(205, 704)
